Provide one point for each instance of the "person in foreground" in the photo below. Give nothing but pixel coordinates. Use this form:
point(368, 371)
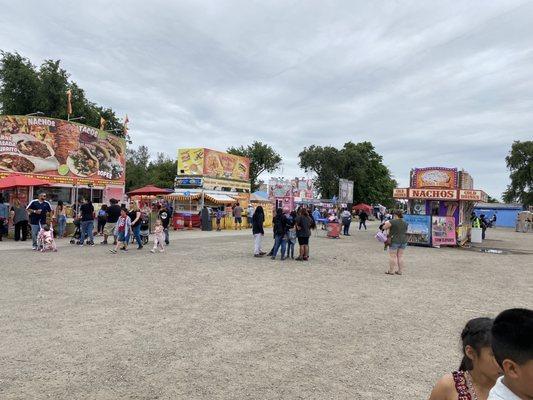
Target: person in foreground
point(512, 344)
point(478, 371)
point(122, 231)
point(398, 242)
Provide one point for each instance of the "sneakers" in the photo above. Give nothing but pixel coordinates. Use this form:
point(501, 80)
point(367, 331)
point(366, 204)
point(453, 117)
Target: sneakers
point(91, 244)
point(103, 242)
point(152, 251)
point(258, 255)
point(113, 251)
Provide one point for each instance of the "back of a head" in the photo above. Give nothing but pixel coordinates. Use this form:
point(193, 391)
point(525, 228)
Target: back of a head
point(512, 336)
point(475, 334)
point(279, 212)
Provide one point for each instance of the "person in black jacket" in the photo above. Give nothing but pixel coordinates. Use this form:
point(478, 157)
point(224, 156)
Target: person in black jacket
point(280, 233)
point(257, 229)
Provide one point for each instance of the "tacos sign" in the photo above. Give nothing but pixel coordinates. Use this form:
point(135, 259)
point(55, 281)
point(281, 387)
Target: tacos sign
point(60, 151)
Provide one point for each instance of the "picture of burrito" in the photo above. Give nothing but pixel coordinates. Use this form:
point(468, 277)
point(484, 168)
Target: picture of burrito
point(67, 140)
point(16, 163)
point(35, 148)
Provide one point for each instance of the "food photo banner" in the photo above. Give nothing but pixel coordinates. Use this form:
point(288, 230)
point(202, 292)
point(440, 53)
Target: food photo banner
point(435, 177)
point(60, 151)
point(212, 163)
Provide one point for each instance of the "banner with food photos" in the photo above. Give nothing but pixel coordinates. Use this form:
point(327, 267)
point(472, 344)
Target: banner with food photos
point(214, 164)
point(60, 151)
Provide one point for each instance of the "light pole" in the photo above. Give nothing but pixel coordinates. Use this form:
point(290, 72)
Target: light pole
point(77, 118)
point(35, 113)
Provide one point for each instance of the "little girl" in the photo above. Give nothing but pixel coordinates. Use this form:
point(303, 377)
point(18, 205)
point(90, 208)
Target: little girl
point(159, 237)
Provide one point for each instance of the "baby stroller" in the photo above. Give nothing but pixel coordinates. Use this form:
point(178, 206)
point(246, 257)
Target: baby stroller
point(145, 228)
point(77, 232)
point(45, 238)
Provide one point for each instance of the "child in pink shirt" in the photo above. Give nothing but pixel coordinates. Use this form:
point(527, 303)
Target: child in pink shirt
point(159, 238)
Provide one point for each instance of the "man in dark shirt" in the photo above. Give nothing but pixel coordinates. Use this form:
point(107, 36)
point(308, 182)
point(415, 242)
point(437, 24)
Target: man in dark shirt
point(363, 216)
point(87, 222)
point(113, 213)
point(38, 210)
point(165, 216)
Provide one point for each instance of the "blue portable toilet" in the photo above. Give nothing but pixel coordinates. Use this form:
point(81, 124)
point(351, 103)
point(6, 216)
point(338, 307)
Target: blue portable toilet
point(505, 213)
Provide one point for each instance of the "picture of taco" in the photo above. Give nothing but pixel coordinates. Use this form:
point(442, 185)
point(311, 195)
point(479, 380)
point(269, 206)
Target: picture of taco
point(117, 144)
point(67, 140)
point(83, 162)
point(106, 161)
point(16, 163)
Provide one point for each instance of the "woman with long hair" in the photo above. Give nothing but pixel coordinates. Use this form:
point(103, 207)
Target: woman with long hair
point(258, 220)
point(478, 371)
point(19, 215)
point(60, 215)
point(304, 223)
point(279, 223)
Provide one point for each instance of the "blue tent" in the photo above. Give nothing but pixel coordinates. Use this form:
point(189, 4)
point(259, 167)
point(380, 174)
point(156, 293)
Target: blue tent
point(505, 213)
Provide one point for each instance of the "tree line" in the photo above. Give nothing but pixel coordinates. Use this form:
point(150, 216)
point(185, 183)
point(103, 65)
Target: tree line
point(26, 88)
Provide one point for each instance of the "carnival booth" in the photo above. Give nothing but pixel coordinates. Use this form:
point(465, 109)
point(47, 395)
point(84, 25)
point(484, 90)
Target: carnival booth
point(289, 194)
point(212, 179)
point(439, 205)
point(74, 160)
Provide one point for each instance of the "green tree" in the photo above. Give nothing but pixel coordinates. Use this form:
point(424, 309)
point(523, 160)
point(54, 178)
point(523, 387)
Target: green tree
point(354, 161)
point(162, 171)
point(520, 163)
point(491, 199)
point(19, 85)
point(263, 158)
point(24, 89)
point(137, 161)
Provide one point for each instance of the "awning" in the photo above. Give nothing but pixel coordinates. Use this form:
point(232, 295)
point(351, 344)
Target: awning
point(14, 181)
point(219, 198)
point(182, 197)
point(149, 190)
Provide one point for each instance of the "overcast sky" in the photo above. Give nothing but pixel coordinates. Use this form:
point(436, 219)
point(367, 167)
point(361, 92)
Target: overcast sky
point(430, 83)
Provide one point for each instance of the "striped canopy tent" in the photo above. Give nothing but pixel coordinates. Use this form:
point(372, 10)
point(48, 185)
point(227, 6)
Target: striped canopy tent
point(219, 198)
point(182, 197)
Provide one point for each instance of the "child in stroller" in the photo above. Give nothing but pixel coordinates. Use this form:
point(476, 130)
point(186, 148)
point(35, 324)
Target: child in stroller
point(77, 232)
point(45, 239)
point(145, 228)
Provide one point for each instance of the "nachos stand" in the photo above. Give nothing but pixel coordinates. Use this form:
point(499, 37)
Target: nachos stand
point(74, 160)
point(439, 204)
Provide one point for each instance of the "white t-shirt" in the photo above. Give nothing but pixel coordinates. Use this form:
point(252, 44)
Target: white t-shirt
point(501, 392)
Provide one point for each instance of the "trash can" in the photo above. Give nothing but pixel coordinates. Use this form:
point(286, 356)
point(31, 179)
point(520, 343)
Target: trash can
point(207, 225)
point(475, 235)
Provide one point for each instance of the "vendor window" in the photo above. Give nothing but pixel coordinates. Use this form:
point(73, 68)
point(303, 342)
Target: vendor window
point(96, 195)
point(53, 193)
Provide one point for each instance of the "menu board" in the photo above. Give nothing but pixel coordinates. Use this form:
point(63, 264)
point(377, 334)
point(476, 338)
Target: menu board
point(443, 231)
point(60, 151)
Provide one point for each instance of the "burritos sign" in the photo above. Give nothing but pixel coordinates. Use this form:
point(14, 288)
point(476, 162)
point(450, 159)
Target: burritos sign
point(433, 194)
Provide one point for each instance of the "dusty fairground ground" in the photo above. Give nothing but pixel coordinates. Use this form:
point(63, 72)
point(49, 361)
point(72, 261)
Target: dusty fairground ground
point(205, 320)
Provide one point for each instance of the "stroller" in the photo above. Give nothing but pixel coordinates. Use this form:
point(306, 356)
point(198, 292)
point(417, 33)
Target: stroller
point(77, 232)
point(145, 228)
point(45, 238)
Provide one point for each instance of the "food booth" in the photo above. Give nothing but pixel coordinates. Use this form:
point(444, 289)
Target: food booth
point(439, 205)
point(285, 193)
point(209, 178)
point(75, 160)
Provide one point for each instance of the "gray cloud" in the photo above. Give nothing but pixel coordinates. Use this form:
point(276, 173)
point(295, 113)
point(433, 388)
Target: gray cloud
point(429, 83)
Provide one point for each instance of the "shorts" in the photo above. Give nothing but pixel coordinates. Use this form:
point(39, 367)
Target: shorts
point(238, 220)
point(397, 246)
point(303, 241)
point(122, 238)
point(109, 228)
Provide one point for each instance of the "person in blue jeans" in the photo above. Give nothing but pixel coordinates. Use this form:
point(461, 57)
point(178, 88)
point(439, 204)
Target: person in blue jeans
point(135, 216)
point(87, 222)
point(280, 233)
point(38, 210)
point(61, 218)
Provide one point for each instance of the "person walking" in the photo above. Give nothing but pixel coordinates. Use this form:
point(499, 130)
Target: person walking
point(258, 220)
point(219, 214)
point(237, 214)
point(4, 217)
point(249, 214)
point(303, 232)
point(101, 219)
point(113, 214)
point(39, 209)
point(165, 217)
point(363, 217)
point(60, 216)
point(280, 229)
point(19, 216)
point(159, 236)
point(135, 217)
point(346, 218)
point(122, 231)
point(291, 234)
point(398, 242)
point(87, 222)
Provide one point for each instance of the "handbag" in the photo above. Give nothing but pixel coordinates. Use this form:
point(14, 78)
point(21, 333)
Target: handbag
point(382, 237)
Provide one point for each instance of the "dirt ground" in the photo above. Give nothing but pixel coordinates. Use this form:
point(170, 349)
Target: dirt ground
point(205, 320)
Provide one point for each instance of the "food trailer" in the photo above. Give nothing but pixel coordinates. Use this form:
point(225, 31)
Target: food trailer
point(75, 159)
point(439, 204)
point(290, 194)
